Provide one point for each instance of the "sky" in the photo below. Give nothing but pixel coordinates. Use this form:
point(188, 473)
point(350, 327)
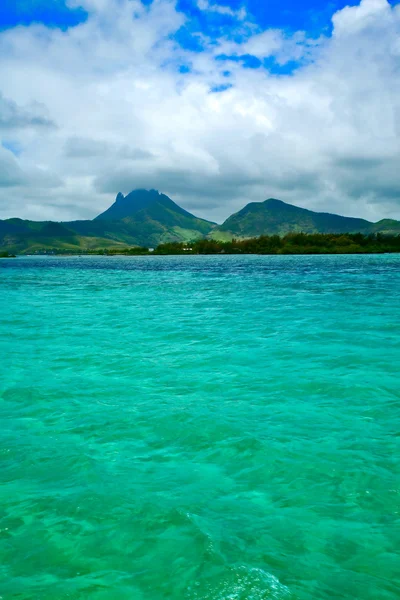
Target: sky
point(216, 104)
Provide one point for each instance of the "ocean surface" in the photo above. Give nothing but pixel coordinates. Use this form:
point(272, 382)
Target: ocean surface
point(200, 428)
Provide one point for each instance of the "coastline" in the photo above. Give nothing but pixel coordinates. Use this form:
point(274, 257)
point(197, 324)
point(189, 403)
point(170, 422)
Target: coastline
point(290, 244)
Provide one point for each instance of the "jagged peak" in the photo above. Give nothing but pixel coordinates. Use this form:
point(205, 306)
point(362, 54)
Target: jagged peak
point(150, 192)
point(140, 200)
point(137, 192)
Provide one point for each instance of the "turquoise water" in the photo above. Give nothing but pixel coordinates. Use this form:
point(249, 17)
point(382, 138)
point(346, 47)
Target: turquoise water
point(220, 428)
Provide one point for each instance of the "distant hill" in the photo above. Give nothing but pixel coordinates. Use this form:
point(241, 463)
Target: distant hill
point(274, 217)
point(386, 226)
point(25, 237)
point(149, 218)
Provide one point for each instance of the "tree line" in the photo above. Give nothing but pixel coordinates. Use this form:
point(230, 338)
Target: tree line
point(291, 243)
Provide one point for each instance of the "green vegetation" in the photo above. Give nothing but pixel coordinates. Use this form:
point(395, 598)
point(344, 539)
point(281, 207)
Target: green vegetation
point(149, 219)
point(108, 251)
point(276, 217)
point(292, 243)
point(6, 255)
point(143, 218)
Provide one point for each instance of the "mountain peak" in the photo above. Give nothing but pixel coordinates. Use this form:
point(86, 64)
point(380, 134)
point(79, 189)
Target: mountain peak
point(154, 217)
point(126, 206)
point(279, 205)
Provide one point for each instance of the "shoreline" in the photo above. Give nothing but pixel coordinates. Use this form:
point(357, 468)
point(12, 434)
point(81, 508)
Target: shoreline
point(220, 254)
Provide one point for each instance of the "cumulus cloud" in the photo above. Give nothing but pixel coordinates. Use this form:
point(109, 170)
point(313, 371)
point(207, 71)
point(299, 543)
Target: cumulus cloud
point(104, 107)
point(354, 19)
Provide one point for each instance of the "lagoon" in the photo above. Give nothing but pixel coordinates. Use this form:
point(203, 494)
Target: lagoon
point(200, 427)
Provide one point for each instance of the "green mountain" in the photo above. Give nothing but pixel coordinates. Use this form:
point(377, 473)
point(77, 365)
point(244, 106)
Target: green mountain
point(142, 218)
point(276, 217)
point(152, 218)
point(386, 226)
point(149, 218)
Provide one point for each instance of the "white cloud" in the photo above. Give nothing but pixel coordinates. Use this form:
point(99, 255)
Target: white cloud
point(264, 44)
point(102, 108)
point(369, 13)
point(223, 10)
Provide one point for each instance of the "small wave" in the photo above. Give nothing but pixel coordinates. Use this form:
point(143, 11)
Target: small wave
point(240, 583)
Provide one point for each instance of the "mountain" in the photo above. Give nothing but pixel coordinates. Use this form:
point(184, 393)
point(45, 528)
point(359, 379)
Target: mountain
point(149, 218)
point(276, 217)
point(142, 218)
point(126, 206)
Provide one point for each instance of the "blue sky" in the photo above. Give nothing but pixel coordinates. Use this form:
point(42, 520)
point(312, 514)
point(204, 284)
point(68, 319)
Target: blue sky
point(215, 103)
point(313, 16)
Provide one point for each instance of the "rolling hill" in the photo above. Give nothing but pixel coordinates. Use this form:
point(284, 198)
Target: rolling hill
point(274, 217)
point(26, 237)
